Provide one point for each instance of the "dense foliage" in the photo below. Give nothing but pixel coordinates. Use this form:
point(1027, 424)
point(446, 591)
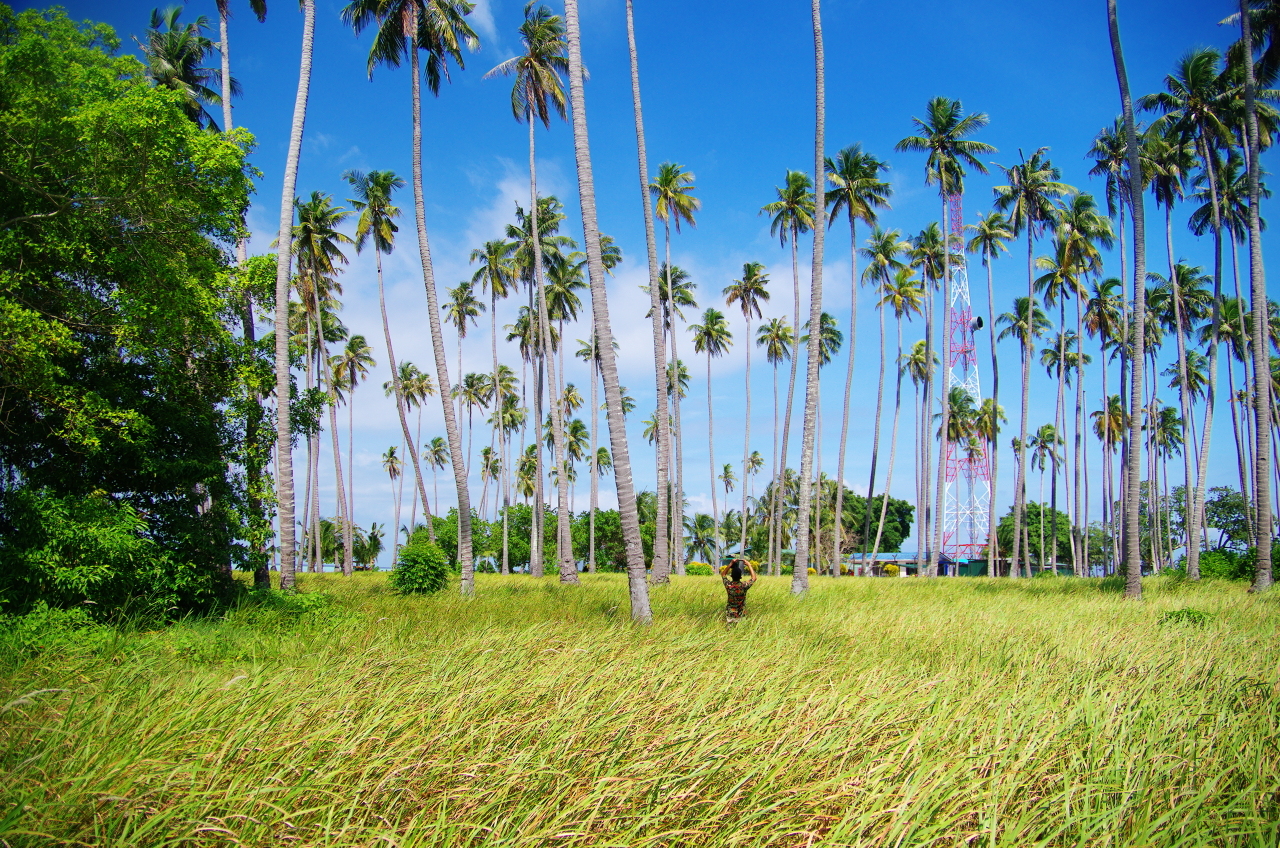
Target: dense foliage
point(421, 570)
point(122, 392)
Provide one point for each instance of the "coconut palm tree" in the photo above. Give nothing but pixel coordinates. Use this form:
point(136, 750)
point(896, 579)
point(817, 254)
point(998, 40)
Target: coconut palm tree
point(174, 53)
point(440, 29)
point(224, 48)
point(1044, 451)
point(639, 593)
point(792, 214)
point(538, 90)
point(713, 338)
point(777, 338)
point(673, 202)
point(989, 237)
point(1132, 556)
point(661, 560)
point(919, 365)
point(393, 465)
point(748, 292)
point(858, 191)
point(884, 252)
point(1028, 201)
point(377, 221)
point(351, 366)
point(942, 136)
point(284, 450)
point(904, 295)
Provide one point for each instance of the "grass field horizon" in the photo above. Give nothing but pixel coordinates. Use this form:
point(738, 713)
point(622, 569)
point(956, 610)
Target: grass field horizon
point(868, 712)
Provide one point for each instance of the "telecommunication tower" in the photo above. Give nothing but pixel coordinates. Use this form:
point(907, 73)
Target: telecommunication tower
point(968, 473)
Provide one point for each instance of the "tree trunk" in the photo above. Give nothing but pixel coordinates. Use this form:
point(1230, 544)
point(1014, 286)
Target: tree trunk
point(711, 458)
point(838, 529)
point(800, 570)
point(661, 547)
point(1019, 496)
point(778, 493)
point(639, 590)
point(993, 545)
point(344, 518)
point(893, 452)
point(465, 560)
point(1131, 539)
point(677, 472)
point(746, 448)
point(939, 494)
point(595, 458)
point(284, 449)
point(875, 443)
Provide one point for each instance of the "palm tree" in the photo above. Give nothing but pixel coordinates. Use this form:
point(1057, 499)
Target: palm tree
point(1028, 201)
point(537, 91)
point(224, 48)
point(352, 366)
point(792, 214)
point(1133, 556)
point(661, 559)
point(927, 253)
point(989, 237)
point(942, 136)
point(639, 592)
point(713, 338)
point(748, 292)
point(905, 295)
point(373, 201)
point(462, 308)
point(1044, 450)
point(497, 273)
point(777, 339)
point(671, 190)
point(1025, 324)
point(393, 465)
point(920, 364)
point(436, 453)
point(883, 252)
point(284, 450)
point(439, 28)
point(858, 191)
point(174, 53)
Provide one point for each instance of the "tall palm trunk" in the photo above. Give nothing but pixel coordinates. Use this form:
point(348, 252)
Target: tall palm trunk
point(677, 520)
point(1020, 486)
point(1261, 361)
point(564, 548)
point(711, 458)
point(398, 388)
point(875, 444)
point(344, 518)
point(500, 428)
point(746, 447)
point(661, 558)
point(993, 545)
point(465, 560)
point(284, 452)
point(837, 530)
point(791, 386)
point(774, 566)
point(1131, 537)
point(800, 571)
point(1080, 526)
point(595, 460)
point(638, 588)
point(893, 451)
point(940, 484)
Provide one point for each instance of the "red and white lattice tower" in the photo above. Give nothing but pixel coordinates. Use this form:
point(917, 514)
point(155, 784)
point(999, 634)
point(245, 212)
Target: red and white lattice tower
point(968, 493)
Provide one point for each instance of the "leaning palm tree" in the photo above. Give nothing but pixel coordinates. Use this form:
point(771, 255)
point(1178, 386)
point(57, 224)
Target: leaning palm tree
point(673, 202)
point(661, 559)
point(284, 450)
point(942, 136)
point(393, 465)
point(1132, 555)
point(1028, 201)
point(639, 592)
point(713, 338)
point(439, 28)
point(989, 236)
point(537, 91)
point(748, 292)
point(351, 367)
point(792, 214)
point(373, 201)
point(858, 191)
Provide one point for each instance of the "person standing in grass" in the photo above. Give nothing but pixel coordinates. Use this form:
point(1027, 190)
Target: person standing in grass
point(737, 588)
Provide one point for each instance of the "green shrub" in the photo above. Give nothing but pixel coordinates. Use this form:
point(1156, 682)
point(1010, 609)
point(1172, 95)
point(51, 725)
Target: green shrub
point(1226, 565)
point(1187, 615)
point(698, 568)
point(47, 629)
point(422, 569)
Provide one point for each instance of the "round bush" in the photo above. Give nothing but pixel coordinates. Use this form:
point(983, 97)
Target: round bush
point(422, 569)
point(698, 568)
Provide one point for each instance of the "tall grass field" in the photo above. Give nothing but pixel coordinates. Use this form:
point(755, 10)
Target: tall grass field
point(878, 712)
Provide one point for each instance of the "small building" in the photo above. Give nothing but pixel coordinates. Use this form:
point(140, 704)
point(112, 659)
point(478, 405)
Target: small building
point(905, 561)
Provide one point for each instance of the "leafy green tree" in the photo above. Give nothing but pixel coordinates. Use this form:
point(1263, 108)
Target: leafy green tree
point(123, 445)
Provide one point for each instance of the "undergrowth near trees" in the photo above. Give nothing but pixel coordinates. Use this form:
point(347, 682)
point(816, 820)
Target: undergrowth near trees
point(869, 712)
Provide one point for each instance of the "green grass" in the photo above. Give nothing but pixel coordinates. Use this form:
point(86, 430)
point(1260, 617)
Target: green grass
point(871, 712)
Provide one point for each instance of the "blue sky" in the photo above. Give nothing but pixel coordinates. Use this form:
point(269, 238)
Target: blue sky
point(728, 94)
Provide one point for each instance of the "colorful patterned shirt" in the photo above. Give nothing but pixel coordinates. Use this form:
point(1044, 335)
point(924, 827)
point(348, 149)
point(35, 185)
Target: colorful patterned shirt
point(737, 595)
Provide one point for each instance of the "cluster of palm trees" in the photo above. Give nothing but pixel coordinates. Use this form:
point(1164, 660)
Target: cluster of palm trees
point(1202, 146)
